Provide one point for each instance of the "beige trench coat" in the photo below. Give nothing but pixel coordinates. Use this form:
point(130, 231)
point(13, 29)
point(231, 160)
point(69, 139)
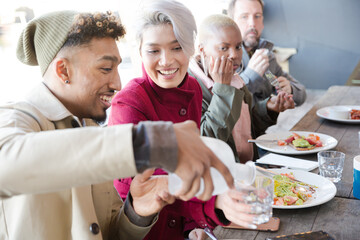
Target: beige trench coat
point(46, 175)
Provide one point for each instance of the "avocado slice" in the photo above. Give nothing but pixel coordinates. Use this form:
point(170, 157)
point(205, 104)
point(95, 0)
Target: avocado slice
point(302, 143)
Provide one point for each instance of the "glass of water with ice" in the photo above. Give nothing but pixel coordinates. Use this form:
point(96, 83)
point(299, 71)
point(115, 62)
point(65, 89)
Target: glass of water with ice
point(259, 195)
point(331, 164)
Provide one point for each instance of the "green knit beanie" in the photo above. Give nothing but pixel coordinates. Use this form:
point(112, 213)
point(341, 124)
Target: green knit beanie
point(43, 38)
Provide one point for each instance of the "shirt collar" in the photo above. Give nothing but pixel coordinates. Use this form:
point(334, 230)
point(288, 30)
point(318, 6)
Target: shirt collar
point(46, 102)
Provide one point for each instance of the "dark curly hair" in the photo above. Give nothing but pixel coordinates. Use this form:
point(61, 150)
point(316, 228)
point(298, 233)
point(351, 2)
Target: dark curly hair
point(87, 26)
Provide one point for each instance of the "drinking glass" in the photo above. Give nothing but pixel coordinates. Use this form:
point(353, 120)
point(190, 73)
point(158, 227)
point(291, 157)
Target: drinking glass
point(260, 196)
point(331, 164)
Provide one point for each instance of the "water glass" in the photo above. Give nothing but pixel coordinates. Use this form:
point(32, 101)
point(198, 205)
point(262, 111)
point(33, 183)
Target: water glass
point(356, 182)
point(331, 164)
point(259, 196)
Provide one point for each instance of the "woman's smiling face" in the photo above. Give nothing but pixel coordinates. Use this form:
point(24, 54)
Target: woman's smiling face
point(163, 57)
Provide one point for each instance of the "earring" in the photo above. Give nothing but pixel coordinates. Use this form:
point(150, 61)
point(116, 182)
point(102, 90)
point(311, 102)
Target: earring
point(238, 71)
point(203, 63)
point(67, 81)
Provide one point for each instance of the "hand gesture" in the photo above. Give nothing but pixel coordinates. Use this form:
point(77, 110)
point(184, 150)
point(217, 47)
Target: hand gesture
point(281, 102)
point(221, 70)
point(284, 85)
point(259, 61)
point(197, 234)
point(150, 194)
point(231, 203)
point(194, 162)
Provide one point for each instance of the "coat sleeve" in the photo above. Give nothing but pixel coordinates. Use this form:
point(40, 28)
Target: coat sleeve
point(121, 227)
point(220, 111)
point(24, 149)
point(299, 91)
point(257, 85)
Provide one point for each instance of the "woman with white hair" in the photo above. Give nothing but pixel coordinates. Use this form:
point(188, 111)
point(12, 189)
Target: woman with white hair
point(166, 92)
point(165, 33)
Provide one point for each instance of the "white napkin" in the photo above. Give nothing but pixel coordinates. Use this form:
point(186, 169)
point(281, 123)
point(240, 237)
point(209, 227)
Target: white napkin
point(290, 162)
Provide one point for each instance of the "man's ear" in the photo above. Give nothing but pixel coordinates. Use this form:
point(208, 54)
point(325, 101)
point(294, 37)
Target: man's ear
point(62, 69)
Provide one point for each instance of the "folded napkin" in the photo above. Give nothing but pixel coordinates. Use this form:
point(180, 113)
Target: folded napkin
point(290, 162)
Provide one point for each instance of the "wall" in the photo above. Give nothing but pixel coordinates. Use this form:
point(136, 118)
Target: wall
point(326, 34)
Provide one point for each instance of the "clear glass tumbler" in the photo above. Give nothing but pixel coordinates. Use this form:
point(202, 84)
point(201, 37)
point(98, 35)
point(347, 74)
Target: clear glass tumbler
point(331, 164)
point(260, 196)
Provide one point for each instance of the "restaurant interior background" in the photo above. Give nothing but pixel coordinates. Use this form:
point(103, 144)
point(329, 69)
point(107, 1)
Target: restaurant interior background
point(324, 33)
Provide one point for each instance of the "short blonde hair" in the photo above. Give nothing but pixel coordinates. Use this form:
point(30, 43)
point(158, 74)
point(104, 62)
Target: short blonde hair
point(214, 22)
point(169, 12)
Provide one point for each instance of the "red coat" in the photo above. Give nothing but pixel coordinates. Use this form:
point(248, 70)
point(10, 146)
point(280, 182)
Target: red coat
point(143, 100)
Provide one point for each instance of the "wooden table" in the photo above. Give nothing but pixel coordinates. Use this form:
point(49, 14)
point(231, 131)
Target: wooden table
point(340, 217)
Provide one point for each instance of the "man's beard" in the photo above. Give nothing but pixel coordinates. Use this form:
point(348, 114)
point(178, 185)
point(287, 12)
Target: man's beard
point(253, 42)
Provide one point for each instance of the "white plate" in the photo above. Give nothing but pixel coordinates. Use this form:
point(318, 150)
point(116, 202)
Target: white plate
point(328, 143)
point(325, 113)
point(325, 190)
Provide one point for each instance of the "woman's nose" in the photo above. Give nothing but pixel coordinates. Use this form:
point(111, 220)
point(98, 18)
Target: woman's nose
point(165, 58)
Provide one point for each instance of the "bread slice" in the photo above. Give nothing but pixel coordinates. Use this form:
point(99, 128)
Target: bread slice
point(305, 148)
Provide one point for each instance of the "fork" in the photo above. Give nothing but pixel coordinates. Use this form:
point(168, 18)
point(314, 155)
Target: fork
point(210, 233)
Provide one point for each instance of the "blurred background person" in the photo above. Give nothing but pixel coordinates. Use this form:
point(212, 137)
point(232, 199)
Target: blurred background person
point(257, 53)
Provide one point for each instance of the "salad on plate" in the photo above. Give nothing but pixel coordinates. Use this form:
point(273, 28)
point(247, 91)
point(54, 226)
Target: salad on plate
point(302, 143)
point(288, 192)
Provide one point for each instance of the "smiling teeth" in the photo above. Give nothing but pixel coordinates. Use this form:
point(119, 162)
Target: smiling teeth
point(106, 98)
point(168, 72)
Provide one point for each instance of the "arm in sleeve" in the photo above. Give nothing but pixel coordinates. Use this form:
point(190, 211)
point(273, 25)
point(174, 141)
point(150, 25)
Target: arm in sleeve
point(126, 224)
point(298, 90)
point(155, 143)
point(34, 161)
point(257, 85)
point(90, 149)
point(221, 112)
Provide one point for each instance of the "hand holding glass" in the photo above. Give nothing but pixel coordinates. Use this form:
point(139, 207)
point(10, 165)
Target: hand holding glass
point(260, 196)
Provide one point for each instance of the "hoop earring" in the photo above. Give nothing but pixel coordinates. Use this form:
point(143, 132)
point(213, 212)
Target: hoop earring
point(203, 64)
point(237, 72)
point(67, 81)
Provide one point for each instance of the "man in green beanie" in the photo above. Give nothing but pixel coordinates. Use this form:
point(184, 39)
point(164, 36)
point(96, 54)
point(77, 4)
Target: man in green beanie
point(57, 164)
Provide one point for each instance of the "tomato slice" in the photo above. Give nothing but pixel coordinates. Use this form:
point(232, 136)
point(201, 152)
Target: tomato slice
point(311, 141)
point(296, 136)
point(289, 139)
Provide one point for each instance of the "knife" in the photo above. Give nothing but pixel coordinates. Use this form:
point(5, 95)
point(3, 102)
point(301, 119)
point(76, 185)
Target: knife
point(262, 141)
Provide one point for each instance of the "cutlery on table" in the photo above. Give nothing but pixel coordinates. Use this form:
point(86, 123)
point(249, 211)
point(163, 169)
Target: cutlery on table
point(210, 233)
point(262, 140)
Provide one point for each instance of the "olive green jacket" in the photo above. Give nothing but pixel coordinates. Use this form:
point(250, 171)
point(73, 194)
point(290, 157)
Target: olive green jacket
point(221, 110)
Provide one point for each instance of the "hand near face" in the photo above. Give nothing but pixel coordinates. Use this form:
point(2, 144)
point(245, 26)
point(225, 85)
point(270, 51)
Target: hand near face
point(150, 194)
point(231, 203)
point(281, 102)
point(194, 162)
point(221, 69)
point(284, 85)
point(259, 61)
